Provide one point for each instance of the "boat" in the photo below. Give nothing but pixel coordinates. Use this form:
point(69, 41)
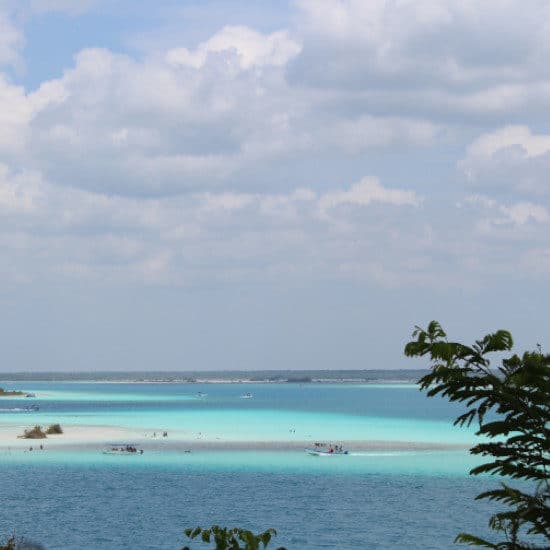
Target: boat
point(201, 395)
point(122, 449)
point(317, 452)
point(31, 395)
point(321, 450)
point(30, 408)
point(247, 395)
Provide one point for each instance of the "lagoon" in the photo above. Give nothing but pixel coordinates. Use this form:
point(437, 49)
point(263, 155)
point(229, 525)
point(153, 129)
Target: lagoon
point(404, 483)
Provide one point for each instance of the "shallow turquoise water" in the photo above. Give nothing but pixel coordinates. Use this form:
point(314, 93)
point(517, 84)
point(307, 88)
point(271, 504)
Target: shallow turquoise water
point(334, 412)
point(86, 500)
point(451, 463)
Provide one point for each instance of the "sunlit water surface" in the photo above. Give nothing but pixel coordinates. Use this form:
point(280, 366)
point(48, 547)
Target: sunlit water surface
point(70, 499)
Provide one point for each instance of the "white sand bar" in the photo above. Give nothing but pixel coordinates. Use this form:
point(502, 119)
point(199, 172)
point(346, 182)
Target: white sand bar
point(86, 437)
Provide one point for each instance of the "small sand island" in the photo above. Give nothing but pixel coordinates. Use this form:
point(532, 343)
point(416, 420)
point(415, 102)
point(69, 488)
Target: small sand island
point(11, 393)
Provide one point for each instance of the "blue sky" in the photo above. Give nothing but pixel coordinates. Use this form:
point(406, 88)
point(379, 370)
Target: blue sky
point(230, 184)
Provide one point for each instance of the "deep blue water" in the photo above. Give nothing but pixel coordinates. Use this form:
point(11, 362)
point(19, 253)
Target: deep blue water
point(69, 507)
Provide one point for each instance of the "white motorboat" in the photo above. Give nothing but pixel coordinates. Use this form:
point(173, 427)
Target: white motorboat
point(247, 395)
point(326, 452)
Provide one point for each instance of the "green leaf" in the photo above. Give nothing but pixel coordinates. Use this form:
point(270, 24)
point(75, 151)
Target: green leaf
point(464, 538)
point(517, 436)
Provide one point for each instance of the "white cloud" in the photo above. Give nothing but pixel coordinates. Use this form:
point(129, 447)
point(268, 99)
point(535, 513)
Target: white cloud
point(509, 157)
point(495, 214)
point(84, 234)
point(251, 48)
point(365, 192)
point(216, 161)
point(112, 123)
point(365, 232)
point(488, 145)
point(523, 212)
point(15, 116)
point(436, 58)
point(365, 132)
point(18, 193)
point(11, 40)
point(470, 37)
point(226, 201)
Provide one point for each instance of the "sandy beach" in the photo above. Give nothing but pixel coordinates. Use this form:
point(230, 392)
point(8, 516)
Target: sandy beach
point(86, 437)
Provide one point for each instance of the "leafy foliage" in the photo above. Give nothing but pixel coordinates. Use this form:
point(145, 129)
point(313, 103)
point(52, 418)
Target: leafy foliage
point(517, 435)
point(54, 429)
point(231, 539)
point(10, 544)
point(34, 433)
point(14, 543)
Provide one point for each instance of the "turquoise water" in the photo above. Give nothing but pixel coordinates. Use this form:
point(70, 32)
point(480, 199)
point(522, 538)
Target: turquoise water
point(309, 412)
point(441, 463)
point(79, 498)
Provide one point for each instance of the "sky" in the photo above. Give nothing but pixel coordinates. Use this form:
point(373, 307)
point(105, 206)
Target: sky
point(231, 184)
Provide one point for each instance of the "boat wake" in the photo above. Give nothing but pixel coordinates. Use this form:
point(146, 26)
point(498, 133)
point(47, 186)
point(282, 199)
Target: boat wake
point(383, 453)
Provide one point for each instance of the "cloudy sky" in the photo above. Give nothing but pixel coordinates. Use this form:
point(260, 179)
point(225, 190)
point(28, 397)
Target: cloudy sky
point(269, 184)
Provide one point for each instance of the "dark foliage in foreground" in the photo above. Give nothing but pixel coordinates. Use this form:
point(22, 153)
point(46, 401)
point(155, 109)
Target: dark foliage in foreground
point(517, 435)
point(14, 543)
point(231, 539)
point(10, 544)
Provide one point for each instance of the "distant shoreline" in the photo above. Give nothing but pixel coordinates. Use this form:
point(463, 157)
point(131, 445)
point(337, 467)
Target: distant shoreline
point(220, 381)
point(375, 376)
